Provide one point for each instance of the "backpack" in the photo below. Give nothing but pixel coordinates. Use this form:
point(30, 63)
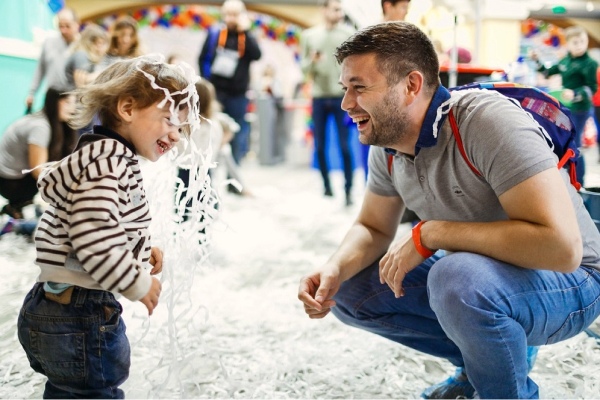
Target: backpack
point(550, 114)
point(212, 38)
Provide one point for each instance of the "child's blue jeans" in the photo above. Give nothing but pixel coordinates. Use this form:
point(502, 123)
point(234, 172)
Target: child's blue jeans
point(81, 347)
point(477, 312)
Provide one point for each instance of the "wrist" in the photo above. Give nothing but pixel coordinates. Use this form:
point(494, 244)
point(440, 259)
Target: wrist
point(416, 236)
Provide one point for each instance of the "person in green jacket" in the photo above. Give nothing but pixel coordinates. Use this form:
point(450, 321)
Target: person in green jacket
point(578, 72)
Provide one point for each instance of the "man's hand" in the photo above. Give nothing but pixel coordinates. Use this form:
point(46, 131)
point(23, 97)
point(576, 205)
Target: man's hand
point(150, 300)
point(401, 258)
point(316, 291)
point(156, 260)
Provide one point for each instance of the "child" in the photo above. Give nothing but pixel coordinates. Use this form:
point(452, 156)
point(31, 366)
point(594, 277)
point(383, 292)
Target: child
point(93, 240)
point(578, 72)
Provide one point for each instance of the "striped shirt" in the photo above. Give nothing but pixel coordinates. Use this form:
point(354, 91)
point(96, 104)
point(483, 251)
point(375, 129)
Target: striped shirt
point(94, 233)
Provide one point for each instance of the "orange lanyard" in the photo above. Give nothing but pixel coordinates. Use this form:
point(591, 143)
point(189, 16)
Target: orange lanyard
point(241, 41)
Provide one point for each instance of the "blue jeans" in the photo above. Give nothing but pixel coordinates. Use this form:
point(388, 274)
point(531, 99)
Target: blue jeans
point(235, 107)
point(477, 312)
point(579, 121)
point(321, 109)
point(81, 347)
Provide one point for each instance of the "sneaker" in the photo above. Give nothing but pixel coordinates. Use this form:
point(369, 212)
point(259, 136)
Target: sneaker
point(455, 387)
point(8, 227)
point(458, 385)
point(328, 192)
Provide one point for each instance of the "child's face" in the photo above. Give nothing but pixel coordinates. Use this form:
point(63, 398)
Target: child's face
point(577, 45)
point(66, 108)
point(151, 131)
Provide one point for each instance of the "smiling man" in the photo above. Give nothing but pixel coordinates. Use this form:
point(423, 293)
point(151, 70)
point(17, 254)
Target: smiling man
point(512, 272)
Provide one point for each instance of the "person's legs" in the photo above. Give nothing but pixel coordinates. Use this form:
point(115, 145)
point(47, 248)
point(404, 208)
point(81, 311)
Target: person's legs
point(319, 117)
point(493, 311)
point(579, 121)
point(79, 343)
point(235, 107)
point(335, 105)
point(19, 193)
point(365, 303)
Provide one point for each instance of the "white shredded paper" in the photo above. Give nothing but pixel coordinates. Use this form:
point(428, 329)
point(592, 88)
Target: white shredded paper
point(229, 324)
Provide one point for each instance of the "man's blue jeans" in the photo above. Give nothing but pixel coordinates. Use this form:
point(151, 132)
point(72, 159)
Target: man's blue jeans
point(81, 346)
point(477, 312)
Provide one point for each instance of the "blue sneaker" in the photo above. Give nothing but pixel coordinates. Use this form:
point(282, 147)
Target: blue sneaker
point(455, 387)
point(458, 385)
point(10, 224)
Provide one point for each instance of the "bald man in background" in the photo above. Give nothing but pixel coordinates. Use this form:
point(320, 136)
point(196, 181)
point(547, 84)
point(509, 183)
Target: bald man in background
point(55, 51)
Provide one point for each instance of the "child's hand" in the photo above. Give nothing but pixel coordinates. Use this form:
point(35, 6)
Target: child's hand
point(567, 95)
point(156, 259)
point(150, 300)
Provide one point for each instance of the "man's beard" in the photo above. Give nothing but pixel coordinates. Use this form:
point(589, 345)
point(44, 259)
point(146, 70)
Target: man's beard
point(391, 123)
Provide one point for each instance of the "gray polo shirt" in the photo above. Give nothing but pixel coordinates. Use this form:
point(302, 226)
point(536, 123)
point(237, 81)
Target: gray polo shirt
point(501, 140)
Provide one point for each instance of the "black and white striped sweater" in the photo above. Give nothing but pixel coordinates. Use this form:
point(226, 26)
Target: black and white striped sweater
point(95, 232)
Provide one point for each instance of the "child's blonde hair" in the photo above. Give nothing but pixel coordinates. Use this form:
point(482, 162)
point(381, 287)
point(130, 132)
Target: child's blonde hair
point(146, 79)
point(574, 31)
point(90, 34)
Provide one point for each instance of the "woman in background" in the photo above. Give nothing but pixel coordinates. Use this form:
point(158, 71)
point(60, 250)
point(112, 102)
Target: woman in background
point(124, 42)
point(31, 141)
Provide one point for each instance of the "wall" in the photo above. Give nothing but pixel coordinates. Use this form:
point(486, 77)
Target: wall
point(21, 36)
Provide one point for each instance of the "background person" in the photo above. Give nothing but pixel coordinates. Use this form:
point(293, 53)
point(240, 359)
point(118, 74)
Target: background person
point(394, 10)
point(317, 45)
point(83, 65)
point(518, 274)
point(31, 141)
point(124, 42)
point(578, 72)
point(225, 61)
point(55, 51)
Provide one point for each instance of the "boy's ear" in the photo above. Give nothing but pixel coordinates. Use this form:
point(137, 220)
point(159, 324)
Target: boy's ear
point(125, 107)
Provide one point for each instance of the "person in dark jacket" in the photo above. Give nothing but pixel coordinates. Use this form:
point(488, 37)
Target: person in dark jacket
point(225, 61)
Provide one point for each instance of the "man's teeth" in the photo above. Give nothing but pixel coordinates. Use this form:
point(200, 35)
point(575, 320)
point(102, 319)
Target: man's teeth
point(357, 120)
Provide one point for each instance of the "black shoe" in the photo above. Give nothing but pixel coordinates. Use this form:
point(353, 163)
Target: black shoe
point(349, 201)
point(328, 192)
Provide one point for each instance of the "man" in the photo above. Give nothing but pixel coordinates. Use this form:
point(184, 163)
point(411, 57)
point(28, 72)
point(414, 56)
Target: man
point(516, 273)
point(51, 64)
point(317, 45)
point(394, 10)
point(225, 61)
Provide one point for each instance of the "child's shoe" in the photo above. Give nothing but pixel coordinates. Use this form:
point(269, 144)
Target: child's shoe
point(8, 227)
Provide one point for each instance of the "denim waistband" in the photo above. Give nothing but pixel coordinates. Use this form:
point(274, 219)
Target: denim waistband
point(80, 294)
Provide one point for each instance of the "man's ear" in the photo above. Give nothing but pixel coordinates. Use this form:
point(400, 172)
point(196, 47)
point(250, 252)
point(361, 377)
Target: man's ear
point(125, 107)
point(414, 84)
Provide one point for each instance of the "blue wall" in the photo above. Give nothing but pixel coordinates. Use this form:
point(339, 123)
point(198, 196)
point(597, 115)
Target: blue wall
point(20, 18)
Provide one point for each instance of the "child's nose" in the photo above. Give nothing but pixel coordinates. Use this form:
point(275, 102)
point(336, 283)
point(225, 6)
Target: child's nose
point(175, 135)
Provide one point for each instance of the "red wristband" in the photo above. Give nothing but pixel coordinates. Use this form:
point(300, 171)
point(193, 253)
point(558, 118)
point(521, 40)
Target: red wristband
point(416, 236)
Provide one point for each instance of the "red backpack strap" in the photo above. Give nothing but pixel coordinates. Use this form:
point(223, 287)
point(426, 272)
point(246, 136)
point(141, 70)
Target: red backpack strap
point(390, 163)
point(459, 142)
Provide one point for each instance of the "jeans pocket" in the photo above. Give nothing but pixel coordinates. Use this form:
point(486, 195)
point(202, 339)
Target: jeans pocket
point(575, 323)
point(62, 356)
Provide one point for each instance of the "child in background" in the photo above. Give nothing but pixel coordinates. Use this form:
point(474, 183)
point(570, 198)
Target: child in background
point(93, 240)
point(578, 72)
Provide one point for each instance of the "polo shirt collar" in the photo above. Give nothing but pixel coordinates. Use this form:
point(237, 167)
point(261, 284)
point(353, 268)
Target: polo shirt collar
point(432, 123)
